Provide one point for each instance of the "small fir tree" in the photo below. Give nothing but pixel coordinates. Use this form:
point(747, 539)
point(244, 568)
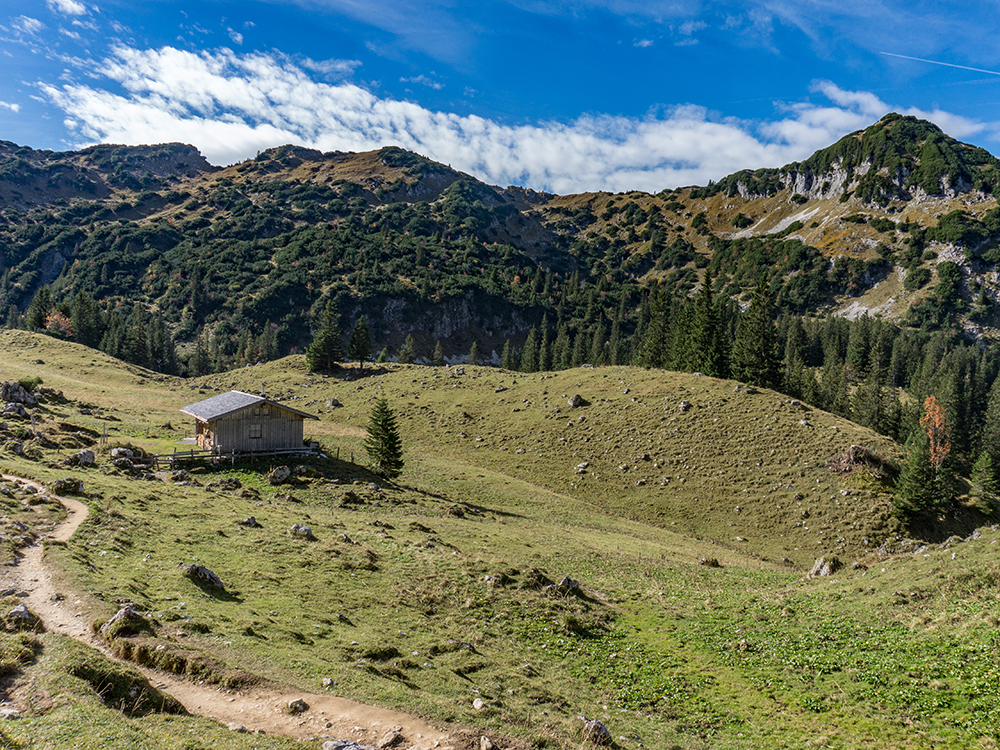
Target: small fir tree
point(474, 353)
point(383, 445)
point(360, 346)
point(437, 359)
point(383, 356)
point(323, 354)
point(408, 352)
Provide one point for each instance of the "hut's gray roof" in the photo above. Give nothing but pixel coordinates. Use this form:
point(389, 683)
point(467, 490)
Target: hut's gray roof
point(227, 403)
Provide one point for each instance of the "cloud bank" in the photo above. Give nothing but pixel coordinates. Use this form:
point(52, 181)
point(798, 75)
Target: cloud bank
point(230, 106)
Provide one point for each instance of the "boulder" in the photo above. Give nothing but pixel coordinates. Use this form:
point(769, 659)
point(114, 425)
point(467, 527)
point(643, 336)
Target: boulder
point(203, 574)
point(22, 618)
point(68, 486)
point(83, 458)
point(596, 733)
point(297, 706)
point(577, 401)
point(568, 586)
point(125, 621)
point(15, 410)
point(390, 739)
point(303, 532)
point(14, 392)
point(684, 405)
point(250, 522)
point(122, 453)
point(825, 567)
point(279, 475)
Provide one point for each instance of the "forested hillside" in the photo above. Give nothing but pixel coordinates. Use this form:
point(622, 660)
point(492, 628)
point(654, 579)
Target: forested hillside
point(862, 279)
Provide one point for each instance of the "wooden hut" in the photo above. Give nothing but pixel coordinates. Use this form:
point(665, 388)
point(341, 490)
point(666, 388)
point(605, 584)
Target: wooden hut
point(244, 423)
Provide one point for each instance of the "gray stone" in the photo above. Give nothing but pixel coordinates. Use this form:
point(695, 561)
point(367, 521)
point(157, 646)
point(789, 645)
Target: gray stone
point(83, 458)
point(68, 486)
point(125, 614)
point(9, 714)
point(279, 475)
point(203, 574)
point(390, 739)
point(684, 405)
point(825, 567)
point(122, 453)
point(297, 706)
point(250, 522)
point(596, 733)
point(305, 532)
point(15, 410)
point(13, 392)
point(479, 704)
point(576, 401)
point(568, 585)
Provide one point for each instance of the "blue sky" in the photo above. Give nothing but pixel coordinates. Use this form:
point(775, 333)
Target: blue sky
point(567, 96)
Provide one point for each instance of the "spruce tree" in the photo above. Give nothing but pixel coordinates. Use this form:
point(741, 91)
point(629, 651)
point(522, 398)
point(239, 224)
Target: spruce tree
point(529, 353)
point(755, 359)
point(474, 353)
point(437, 358)
point(983, 480)
point(916, 498)
point(383, 444)
point(408, 352)
point(324, 354)
point(86, 317)
point(39, 309)
point(360, 345)
point(508, 357)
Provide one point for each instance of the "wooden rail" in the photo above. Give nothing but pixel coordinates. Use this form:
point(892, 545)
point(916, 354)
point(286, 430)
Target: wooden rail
point(175, 459)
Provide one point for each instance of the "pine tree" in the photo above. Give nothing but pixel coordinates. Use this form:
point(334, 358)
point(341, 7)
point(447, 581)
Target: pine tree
point(437, 358)
point(529, 352)
point(984, 482)
point(383, 444)
point(360, 346)
point(383, 356)
point(474, 353)
point(408, 352)
point(508, 357)
point(915, 499)
point(755, 359)
point(86, 320)
point(324, 354)
point(38, 310)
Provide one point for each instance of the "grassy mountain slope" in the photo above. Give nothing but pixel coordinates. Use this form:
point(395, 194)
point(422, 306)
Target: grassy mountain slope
point(665, 651)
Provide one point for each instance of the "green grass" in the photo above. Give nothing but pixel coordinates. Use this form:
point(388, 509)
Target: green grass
point(420, 596)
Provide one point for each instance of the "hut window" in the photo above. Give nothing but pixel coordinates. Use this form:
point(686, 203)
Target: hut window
point(255, 431)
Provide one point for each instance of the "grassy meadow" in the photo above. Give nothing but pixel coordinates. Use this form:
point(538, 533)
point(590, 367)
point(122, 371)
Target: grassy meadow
point(427, 594)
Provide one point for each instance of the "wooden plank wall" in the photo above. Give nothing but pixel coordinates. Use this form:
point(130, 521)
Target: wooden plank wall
point(279, 429)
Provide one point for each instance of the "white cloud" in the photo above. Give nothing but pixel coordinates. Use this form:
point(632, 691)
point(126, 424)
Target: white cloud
point(424, 81)
point(333, 68)
point(236, 36)
point(28, 25)
point(70, 34)
point(67, 7)
point(12, 107)
point(230, 106)
point(643, 43)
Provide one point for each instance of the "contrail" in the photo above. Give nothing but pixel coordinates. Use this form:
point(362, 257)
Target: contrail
point(936, 62)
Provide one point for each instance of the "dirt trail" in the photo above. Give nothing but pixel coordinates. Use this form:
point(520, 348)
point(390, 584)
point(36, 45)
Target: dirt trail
point(264, 709)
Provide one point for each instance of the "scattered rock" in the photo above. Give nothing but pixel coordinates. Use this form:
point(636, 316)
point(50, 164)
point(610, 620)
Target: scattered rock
point(9, 714)
point(238, 728)
point(297, 706)
point(684, 405)
point(596, 733)
point(250, 522)
point(279, 475)
point(203, 574)
point(68, 486)
point(303, 532)
point(15, 410)
point(332, 403)
point(13, 392)
point(122, 453)
point(123, 622)
point(709, 562)
point(345, 745)
point(581, 468)
point(576, 401)
point(825, 567)
point(83, 458)
point(391, 738)
point(22, 618)
point(568, 586)
point(485, 743)
point(479, 704)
